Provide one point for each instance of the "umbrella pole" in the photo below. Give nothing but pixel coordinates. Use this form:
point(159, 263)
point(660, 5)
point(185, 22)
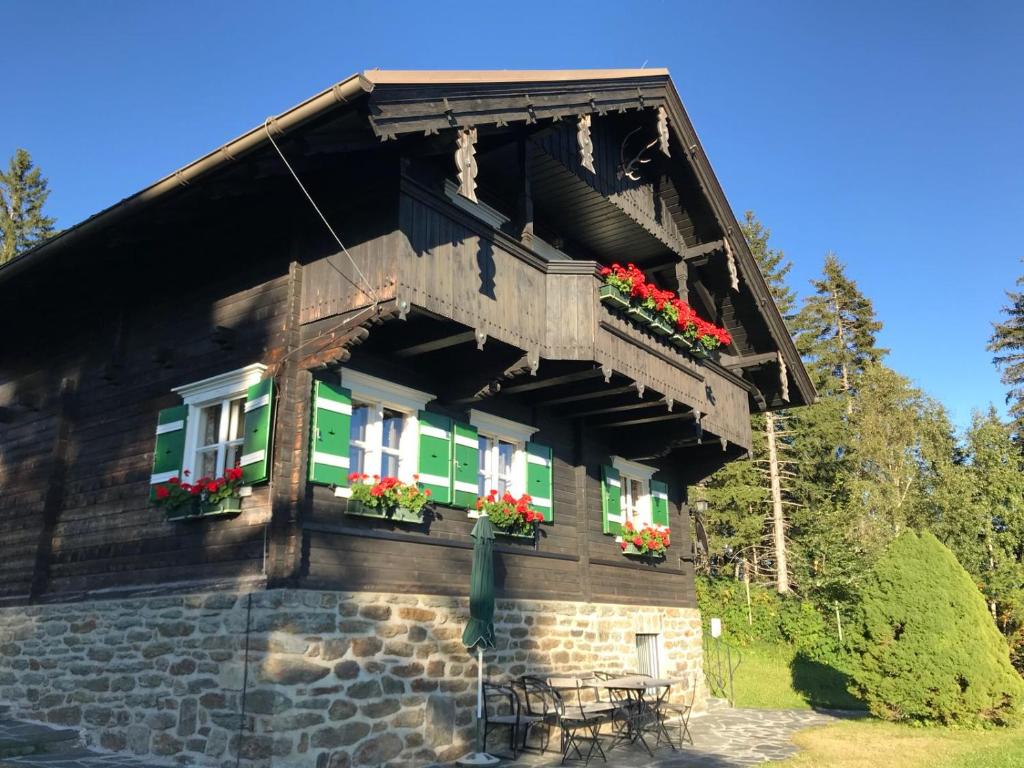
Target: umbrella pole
point(479, 757)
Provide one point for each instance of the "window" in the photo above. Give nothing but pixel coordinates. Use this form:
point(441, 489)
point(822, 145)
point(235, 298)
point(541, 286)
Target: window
point(216, 419)
point(502, 453)
point(383, 436)
point(635, 482)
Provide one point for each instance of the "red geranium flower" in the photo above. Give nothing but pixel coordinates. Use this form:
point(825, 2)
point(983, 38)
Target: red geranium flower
point(162, 492)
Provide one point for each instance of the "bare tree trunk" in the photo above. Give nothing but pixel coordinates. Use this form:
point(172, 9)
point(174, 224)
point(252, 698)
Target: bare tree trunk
point(778, 516)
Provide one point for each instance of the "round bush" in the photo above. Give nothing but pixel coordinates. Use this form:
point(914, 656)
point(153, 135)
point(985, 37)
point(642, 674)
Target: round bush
point(925, 647)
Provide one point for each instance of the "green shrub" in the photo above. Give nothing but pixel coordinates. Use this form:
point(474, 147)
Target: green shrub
point(925, 647)
point(773, 618)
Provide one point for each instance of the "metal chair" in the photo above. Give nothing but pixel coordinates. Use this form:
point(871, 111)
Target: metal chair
point(537, 708)
point(501, 710)
point(680, 710)
point(578, 727)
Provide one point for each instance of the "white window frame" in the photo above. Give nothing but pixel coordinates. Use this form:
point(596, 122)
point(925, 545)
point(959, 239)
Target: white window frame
point(220, 389)
point(632, 470)
point(497, 428)
point(381, 394)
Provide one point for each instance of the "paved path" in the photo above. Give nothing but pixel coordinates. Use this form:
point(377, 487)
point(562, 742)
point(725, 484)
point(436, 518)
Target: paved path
point(723, 738)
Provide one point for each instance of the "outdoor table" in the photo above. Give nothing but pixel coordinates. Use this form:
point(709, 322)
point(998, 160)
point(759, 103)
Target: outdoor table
point(643, 709)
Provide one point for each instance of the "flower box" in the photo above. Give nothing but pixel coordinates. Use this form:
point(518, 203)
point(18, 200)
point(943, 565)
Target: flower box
point(681, 341)
point(531, 536)
point(631, 551)
point(228, 507)
point(639, 314)
point(661, 326)
point(613, 297)
point(699, 352)
point(395, 514)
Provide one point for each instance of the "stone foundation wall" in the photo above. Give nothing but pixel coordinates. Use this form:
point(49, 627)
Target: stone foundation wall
point(331, 679)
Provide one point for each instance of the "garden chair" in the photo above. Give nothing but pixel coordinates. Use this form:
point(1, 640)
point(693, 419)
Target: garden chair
point(681, 711)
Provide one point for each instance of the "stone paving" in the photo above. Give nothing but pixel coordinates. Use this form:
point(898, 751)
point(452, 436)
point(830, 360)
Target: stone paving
point(723, 738)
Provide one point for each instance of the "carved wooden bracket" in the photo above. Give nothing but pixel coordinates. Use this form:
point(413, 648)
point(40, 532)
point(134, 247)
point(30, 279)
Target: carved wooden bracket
point(730, 262)
point(606, 371)
point(481, 338)
point(783, 378)
point(465, 161)
point(663, 131)
point(586, 143)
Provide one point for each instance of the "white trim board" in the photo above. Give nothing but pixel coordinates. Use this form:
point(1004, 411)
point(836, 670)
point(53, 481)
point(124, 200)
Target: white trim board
point(221, 386)
point(496, 426)
point(382, 391)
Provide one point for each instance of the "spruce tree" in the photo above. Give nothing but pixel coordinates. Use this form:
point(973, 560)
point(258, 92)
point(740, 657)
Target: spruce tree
point(836, 332)
point(1007, 343)
point(23, 193)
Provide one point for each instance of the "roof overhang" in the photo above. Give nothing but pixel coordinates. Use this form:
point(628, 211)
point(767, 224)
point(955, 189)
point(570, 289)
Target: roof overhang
point(403, 102)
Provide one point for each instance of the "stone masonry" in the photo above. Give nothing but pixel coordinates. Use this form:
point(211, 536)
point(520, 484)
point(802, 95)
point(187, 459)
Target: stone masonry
point(330, 679)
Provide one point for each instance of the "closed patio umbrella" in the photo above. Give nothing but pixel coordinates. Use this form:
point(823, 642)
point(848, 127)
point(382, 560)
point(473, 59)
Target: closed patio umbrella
point(479, 632)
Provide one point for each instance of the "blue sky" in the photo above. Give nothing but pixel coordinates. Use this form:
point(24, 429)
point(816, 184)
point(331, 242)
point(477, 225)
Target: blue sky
point(891, 133)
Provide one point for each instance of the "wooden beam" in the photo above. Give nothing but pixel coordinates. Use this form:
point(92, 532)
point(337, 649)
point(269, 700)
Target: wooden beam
point(436, 344)
point(593, 395)
point(552, 382)
point(617, 408)
point(707, 299)
point(646, 420)
point(747, 361)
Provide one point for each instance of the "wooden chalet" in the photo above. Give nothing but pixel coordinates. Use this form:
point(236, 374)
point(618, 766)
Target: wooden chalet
point(399, 276)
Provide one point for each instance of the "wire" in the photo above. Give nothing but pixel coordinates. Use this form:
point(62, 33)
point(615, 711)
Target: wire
point(370, 291)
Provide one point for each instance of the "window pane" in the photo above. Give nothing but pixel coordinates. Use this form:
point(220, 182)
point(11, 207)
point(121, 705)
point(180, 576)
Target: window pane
point(505, 453)
point(232, 456)
point(393, 421)
point(484, 475)
point(356, 459)
point(237, 420)
point(389, 465)
point(360, 418)
point(206, 464)
point(209, 425)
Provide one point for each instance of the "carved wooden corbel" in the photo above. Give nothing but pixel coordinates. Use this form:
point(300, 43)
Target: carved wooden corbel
point(481, 338)
point(586, 143)
point(465, 161)
point(783, 378)
point(730, 262)
point(663, 131)
point(606, 371)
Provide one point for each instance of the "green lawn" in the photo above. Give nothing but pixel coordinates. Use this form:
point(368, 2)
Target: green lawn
point(873, 744)
point(776, 677)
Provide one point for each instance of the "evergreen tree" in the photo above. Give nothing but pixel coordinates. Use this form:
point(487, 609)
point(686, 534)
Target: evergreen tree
point(836, 332)
point(23, 193)
point(1007, 343)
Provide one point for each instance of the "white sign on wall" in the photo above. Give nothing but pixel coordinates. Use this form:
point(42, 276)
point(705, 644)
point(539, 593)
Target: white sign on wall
point(716, 627)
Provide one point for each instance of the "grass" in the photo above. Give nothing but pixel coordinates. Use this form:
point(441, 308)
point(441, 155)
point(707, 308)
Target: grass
point(777, 677)
point(874, 744)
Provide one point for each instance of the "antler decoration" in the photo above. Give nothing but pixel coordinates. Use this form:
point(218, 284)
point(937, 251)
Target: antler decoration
point(629, 169)
point(465, 161)
point(585, 142)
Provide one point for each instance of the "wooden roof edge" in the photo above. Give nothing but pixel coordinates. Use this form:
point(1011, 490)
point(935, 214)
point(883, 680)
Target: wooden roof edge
point(687, 134)
point(487, 76)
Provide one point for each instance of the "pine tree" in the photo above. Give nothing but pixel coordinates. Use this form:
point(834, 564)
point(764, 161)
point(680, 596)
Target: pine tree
point(23, 193)
point(837, 332)
point(1007, 343)
point(740, 493)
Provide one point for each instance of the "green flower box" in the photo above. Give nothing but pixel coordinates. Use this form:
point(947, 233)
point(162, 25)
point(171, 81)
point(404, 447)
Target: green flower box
point(641, 315)
point(613, 297)
point(661, 326)
point(397, 514)
point(228, 507)
point(512, 535)
point(632, 551)
point(681, 341)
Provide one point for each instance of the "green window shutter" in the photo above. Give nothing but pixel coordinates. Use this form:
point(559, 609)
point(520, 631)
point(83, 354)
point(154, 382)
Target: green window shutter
point(435, 466)
point(329, 433)
point(467, 464)
point(169, 452)
point(259, 424)
point(538, 479)
point(611, 500)
point(659, 503)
